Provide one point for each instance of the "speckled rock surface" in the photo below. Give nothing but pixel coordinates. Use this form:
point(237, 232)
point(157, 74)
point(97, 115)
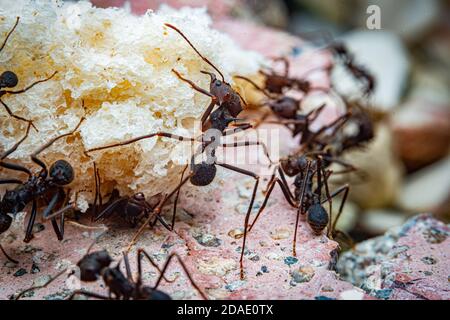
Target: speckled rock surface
point(408, 262)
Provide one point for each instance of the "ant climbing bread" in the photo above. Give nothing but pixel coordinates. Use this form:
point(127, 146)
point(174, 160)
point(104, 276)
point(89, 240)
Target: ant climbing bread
point(8, 79)
point(132, 209)
point(220, 91)
point(47, 184)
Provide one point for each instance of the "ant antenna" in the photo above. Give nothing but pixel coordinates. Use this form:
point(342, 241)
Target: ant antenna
point(192, 46)
point(9, 33)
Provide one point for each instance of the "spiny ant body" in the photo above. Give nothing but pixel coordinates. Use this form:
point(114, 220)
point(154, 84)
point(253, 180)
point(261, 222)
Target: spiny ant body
point(8, 79)
point(46, 185)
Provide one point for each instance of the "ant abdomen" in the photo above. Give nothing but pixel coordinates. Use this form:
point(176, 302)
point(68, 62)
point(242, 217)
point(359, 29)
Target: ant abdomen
point(8, 79)
point(92, 264)
point(151, 294)
point(317, 218)
point(5, 222)
point(61, 172)
point(203, 174)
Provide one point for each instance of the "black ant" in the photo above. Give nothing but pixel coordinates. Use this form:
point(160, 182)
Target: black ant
point(48, 182)
point(359, 72)
point(132, 209)
point(305, 198)
point(9, 79)
point(220, 92)
point(120, 286)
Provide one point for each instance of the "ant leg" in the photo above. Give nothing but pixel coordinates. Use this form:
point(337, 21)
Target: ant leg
point(11, 181)
point(195, 49)
point(30, 86)
point(339, 121)
point(286, 193)
point(164, 269)
point(156, 212)
point(110, 208)
point(344, 189)
point(88, 294)
point(207, 112)
point(257, 87)
point(8, 110)
point(7, 256)
point(9, 34)
point(29, 232)
point(250, 207)
point(143, 254)
point(48, 209)
point(285, 62)
point(22, 293)
point(327, 192)
point(128, 268)
point(286, 184)
point(151, 135)
point(39, 162)
point(176, 200)
point(300, 209)
point(193, 85)
point(13, 166)
point(241, 127)
point(315, 113)
point(246, 144)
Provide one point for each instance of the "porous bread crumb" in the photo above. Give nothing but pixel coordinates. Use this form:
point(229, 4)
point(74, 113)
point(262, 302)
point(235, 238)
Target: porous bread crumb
point(120, 66)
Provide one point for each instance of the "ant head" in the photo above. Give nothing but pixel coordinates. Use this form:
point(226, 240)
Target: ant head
point(293, 165)
point(92, 264)
point(317, 218)
point(203, 174)
point(8, 79)
point(5, 222)
point(285, 107)
point(154, 294)
point(61, 172)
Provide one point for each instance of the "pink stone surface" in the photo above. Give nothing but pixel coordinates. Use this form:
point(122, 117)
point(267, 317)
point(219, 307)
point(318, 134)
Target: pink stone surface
point(409, 262)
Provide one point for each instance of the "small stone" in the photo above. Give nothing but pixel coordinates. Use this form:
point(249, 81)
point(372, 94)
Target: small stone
point(428, 260)
point(38, 227)
point(280, 233)
point(290, 260)
point(434, 235)
point(20, 272)
point(353, 294)
point(383, 293)
point(35, 268)
point(10, 264)
point(40, 281)
point(323, 298)
point(234, 285)
point(303, 274)
point(61, 295)
point(236, 233)
point(327, 289)
point(208, 240)
point(264, 269)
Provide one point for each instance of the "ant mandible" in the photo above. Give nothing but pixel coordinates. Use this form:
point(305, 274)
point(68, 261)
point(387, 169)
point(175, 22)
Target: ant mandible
point(8, 79)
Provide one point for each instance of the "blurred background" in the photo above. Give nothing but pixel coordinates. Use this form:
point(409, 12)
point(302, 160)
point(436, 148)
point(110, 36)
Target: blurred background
point(408, 163)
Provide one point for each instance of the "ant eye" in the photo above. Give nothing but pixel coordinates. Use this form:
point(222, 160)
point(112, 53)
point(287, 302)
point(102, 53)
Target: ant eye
point(218, 83)
point(8, 79)
point(61, 172)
